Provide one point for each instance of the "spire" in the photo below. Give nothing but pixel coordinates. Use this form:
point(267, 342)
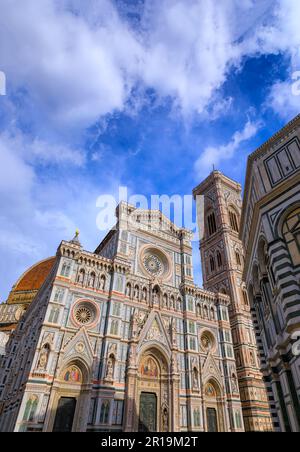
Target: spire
point(75, 239)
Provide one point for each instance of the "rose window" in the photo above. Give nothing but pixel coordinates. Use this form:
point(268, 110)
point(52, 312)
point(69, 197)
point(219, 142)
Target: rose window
point(153, 265)
point(154, 262)
point(207, 341)
point(84, 313)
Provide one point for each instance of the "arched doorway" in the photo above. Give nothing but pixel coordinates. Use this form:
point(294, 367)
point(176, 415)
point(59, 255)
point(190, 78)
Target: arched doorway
point(68, 399)
point(65, 413)
point(148, 412)
point(213, 407)
point(153, 393)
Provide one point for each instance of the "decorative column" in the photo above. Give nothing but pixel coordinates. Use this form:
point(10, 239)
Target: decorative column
point(131, 411)
point(175, 382)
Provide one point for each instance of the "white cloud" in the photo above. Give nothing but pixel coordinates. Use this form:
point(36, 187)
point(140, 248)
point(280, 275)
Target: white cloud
point(80, 60)
point(16, 177)
point(38, 151)
point(40, 210)
point(215, 155)
point(69, 63)
point(73, 72)
point(43, 152)
point(280, 35)
point(284, 100)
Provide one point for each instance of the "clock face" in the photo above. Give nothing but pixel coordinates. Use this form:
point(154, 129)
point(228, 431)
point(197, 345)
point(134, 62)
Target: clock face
point(153, 264)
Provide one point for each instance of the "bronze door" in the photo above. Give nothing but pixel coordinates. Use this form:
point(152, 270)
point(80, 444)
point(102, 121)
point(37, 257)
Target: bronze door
point(65, 415)
point(212, 421)
point(148, 413)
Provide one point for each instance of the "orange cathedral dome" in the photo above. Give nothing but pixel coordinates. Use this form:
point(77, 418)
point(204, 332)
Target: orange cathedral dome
point(30, 282)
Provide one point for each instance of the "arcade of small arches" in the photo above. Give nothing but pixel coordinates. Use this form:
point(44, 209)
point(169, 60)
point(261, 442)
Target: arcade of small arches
point(91, 279)
point(91, 273)
point(141, 293)
point(169, 301)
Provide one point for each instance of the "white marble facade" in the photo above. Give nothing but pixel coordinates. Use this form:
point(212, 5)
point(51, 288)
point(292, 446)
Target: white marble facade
point(123, 340)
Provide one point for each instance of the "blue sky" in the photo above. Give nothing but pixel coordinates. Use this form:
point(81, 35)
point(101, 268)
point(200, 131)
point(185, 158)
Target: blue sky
point(143, 94)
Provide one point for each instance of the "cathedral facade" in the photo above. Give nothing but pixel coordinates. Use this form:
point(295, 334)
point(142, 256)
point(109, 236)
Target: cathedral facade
point(123, 340)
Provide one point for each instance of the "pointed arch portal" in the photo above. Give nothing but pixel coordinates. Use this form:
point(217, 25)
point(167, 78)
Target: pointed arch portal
point(153, 391)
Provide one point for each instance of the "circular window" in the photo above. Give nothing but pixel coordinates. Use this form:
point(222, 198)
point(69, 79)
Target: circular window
point(155, 262)
point(207, 341)
point(85, 313)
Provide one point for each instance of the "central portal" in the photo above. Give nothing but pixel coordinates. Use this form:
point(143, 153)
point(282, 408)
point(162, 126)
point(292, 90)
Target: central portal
point(65, 415)
point(212, 421)
point(148, 412)
point(152, 393)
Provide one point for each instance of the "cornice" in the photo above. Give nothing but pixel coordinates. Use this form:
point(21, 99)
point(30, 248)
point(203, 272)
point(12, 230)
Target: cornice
point(216, 176)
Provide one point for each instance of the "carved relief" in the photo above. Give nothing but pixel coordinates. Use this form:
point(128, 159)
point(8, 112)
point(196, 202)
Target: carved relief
point(155, 333)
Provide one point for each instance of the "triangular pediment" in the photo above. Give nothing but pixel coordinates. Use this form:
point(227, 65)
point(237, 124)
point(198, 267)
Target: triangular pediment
point(154, 332)
point(79, 347)
point(210, 369)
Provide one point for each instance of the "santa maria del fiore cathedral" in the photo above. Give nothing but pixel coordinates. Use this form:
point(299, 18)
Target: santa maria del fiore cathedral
point(122, 339)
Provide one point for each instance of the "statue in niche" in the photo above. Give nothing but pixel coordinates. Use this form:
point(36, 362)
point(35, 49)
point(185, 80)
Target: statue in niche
point(135, 324)
point(110, 369)
point(136, 292)
point(81, 277)
point(173, 364)
point(234, 383)
point(165, 420)
point(92, 280)
point(156, 298)
point(144, 294)
point(173, 332)
point(195, 379)
point(102, 282)
point(165, 302)
point(43, 358)
point(112, 349)
point(128, 290)
point(141, 320)
point(131, 356)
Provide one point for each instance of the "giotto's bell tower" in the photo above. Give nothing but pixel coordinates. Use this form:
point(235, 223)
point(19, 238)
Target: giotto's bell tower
point(222, 266)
